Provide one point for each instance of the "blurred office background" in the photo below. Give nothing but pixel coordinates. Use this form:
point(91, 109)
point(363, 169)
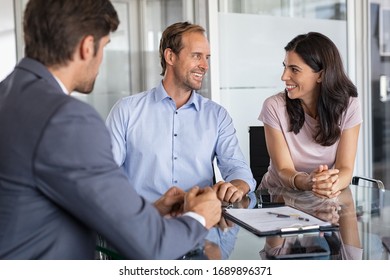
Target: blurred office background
point(247, 38)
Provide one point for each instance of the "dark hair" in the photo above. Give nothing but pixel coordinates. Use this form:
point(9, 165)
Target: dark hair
point(172, 38)
point(320, 53)
point(53, 28)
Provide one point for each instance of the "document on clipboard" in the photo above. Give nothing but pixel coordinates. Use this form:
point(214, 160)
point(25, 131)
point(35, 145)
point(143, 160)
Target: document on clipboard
point(276, 220)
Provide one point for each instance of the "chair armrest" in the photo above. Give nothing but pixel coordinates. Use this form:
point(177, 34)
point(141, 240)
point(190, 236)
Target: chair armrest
point(379, 183)
point(386, 242)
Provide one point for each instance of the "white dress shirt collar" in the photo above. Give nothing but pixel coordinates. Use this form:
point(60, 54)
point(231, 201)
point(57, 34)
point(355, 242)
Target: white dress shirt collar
point(61, 85)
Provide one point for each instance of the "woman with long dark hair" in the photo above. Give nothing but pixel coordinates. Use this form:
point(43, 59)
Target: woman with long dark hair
point(312, 127)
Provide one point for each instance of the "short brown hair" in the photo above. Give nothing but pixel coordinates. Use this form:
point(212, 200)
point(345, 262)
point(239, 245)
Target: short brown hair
point(172, 38)
point(53, 28)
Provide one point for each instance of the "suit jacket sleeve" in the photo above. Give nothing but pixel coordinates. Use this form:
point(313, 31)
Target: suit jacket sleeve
point(76, 170)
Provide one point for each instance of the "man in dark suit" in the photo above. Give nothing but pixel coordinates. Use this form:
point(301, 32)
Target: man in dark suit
point(59, 184)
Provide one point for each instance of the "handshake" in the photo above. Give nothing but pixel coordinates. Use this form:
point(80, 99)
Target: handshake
point(205, 202)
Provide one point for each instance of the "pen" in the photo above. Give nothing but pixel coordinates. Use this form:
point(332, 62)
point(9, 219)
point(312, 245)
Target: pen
point(279, 215)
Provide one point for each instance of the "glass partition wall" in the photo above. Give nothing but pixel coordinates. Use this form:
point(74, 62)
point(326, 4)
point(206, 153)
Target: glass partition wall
point(318, 9)
point(379, 36)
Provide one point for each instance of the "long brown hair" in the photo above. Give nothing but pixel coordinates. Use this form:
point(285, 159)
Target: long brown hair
point(320, 53)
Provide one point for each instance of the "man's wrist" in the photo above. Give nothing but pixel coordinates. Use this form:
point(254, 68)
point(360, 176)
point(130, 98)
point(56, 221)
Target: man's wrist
point(197, 217)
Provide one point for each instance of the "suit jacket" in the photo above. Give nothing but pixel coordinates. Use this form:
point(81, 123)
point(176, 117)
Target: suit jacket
point(59, 184)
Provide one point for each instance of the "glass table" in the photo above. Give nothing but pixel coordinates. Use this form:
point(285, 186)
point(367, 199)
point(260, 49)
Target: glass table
point(362, 212)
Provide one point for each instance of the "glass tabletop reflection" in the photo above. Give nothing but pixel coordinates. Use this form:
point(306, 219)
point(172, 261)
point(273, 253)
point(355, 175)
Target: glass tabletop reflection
point(361, 212)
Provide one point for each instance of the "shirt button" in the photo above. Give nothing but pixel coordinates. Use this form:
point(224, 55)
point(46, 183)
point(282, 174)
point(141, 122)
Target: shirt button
point(175, 134)
point(175, 181)
point(176, 112)
point(175, 158)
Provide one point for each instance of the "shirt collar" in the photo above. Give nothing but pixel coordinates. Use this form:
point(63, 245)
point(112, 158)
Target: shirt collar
point(162, 94)
point(61, 85)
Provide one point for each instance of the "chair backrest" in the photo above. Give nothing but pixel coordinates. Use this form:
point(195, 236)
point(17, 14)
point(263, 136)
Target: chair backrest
point(258, 153)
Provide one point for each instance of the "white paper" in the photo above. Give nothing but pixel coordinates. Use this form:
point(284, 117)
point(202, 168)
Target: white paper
point(261, 220)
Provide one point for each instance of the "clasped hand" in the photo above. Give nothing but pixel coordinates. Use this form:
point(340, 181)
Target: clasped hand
point(205, 201)
point(227, 192)
point(201, 201)
point(325, 182)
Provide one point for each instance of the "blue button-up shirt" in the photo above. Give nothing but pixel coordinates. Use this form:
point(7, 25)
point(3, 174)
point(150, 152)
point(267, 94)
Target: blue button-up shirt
point(160, 146)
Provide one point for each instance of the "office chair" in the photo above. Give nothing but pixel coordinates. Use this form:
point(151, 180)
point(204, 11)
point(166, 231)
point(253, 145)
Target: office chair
point(104, 251)
point(259, 162)
point(258, 153)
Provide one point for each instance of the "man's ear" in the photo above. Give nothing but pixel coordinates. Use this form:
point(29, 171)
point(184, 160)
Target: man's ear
point(87, 47)
point(169, 56)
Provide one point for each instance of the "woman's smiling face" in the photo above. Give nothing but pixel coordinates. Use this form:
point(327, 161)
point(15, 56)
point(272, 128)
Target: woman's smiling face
point(300, 79)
